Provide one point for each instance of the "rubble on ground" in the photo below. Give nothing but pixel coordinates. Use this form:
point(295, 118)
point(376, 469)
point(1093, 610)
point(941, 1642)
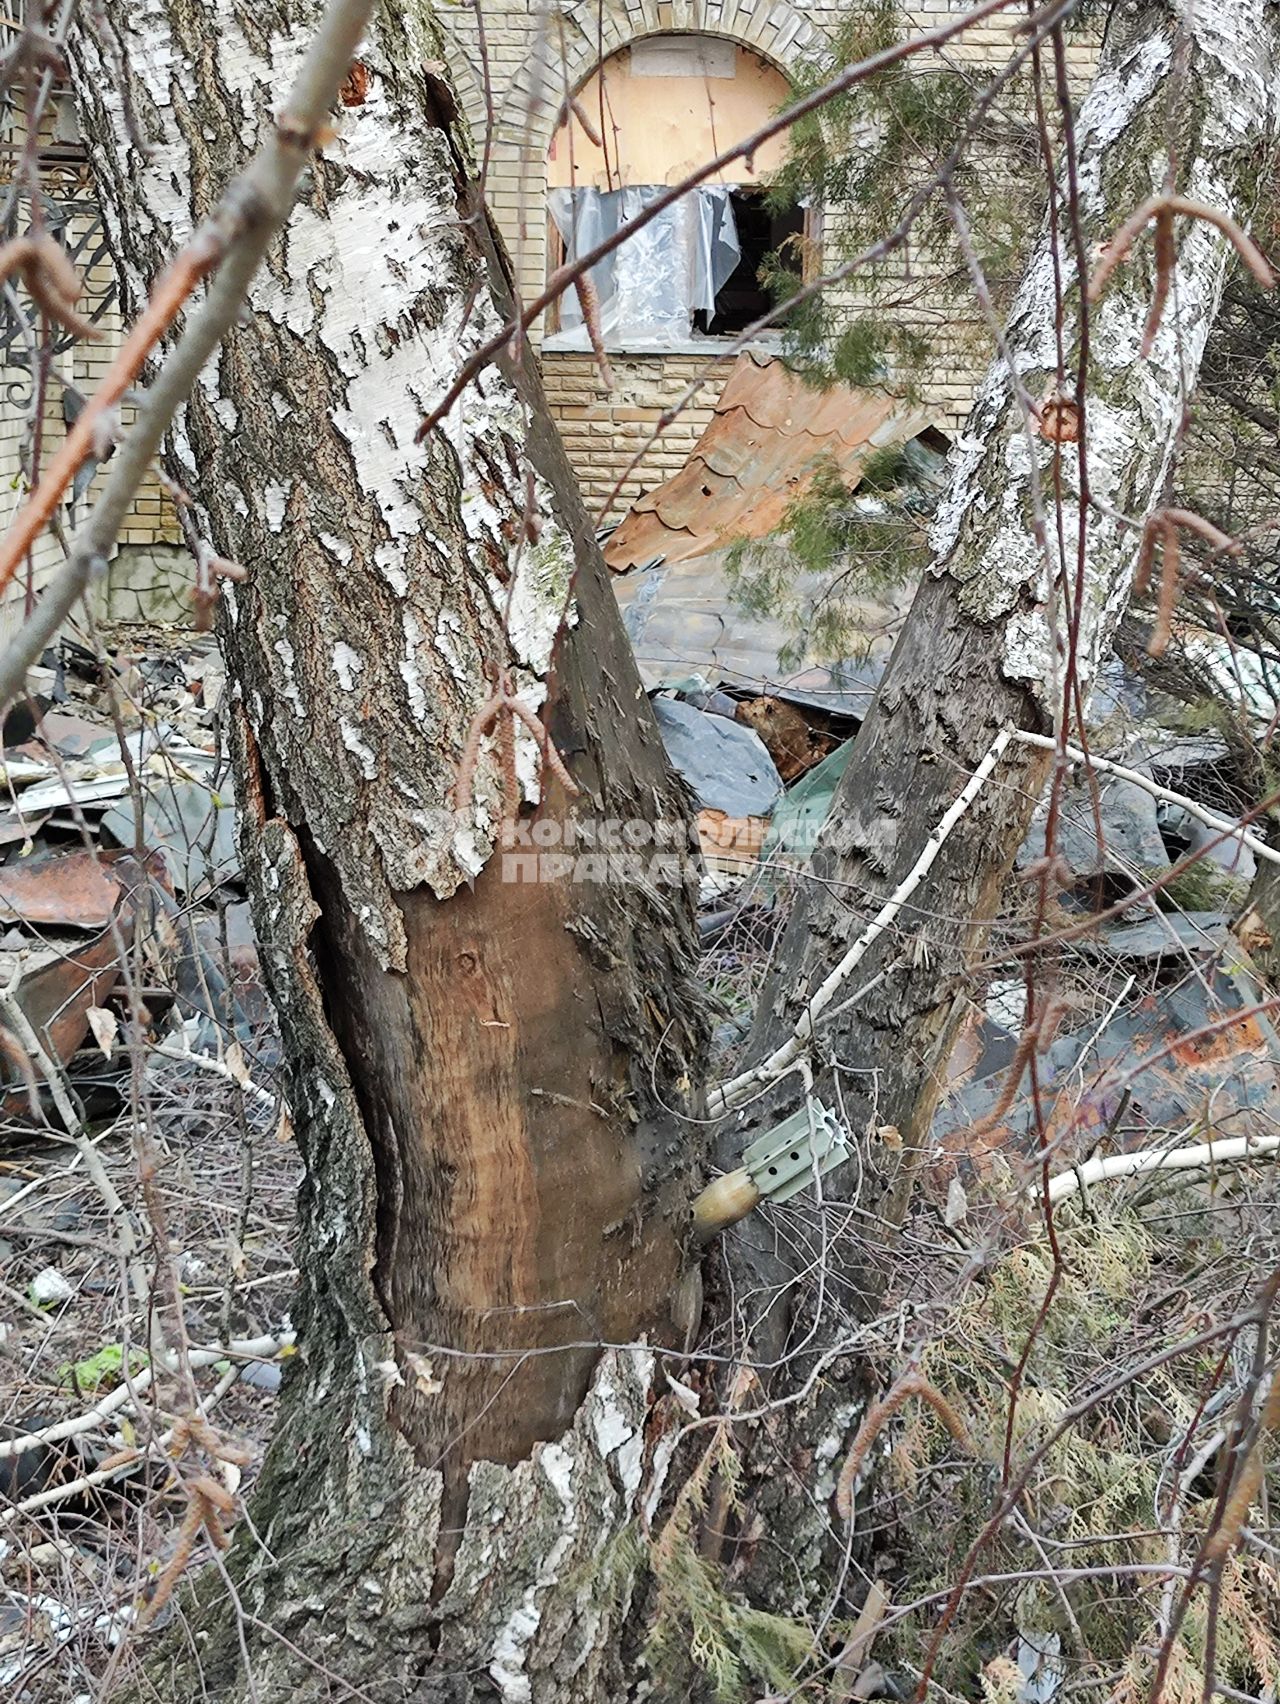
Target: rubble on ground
point(117, 854)
point(1161, 1023)
point(134, 1039)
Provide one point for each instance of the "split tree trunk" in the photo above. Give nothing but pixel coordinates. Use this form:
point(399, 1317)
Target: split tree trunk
point(490, 1164)
point(985, 649)
point(485, 1071)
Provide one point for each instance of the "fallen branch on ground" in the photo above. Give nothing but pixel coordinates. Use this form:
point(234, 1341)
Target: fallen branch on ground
point(216, 1068)
point(1210, 819)
point(249, 1349)
point(30, 1051)
point(1234, 1150)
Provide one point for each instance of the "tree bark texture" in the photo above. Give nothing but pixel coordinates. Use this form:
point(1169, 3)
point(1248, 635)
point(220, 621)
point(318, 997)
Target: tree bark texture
point(481, 1069)
point(985, 648)
point(491, 1166)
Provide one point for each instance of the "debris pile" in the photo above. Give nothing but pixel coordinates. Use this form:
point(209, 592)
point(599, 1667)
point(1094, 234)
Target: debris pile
point(146, 1179)
point(1160, 1022)
point(119, 877)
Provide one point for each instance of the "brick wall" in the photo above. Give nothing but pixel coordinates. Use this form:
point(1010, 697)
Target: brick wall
point(534, 57)
point(151, 523)
point(604, 430)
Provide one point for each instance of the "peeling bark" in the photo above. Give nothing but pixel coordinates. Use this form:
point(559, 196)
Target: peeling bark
point(984, 649)
point(474, 1540)
point(481, 1069)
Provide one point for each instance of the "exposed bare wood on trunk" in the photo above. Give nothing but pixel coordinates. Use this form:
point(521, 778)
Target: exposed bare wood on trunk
point(472, 1540)
point(495, 1187)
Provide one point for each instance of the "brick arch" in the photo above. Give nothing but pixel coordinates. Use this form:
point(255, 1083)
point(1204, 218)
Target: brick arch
point(527, 112)
point(467, 82)
point(528, 84)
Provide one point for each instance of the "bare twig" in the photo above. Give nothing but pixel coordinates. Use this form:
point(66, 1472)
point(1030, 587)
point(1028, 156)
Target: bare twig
point(783, 1059)
point(1162, 209)
point(21, 1028)
point(250, 1349)
point(1201, 813)
point(252, 210)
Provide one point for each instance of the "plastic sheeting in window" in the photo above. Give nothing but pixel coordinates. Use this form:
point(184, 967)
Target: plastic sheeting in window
point(653, 282)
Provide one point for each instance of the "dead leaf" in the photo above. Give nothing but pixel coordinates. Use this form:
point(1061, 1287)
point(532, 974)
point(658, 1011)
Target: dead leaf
point(1060, 420)
point(104, 1026)
point(685, 1395)
point(957, 1203)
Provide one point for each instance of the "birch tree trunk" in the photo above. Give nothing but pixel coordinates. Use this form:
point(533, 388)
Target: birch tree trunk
point(485, 1071)
point(986, 649)
point(482, 1069)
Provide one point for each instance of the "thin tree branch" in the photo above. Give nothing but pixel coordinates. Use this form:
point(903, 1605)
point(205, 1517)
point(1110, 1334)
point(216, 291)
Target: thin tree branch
point(252, 210)
point(24, 1032)
point(1210, 819)
point(734, 1093)
point(248, 1349)
point(1235, 1150)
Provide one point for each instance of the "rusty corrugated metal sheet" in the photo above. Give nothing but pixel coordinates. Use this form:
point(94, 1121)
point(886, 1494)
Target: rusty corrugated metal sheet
point(1192, 1050)
point(765, 442)
point(75, 890)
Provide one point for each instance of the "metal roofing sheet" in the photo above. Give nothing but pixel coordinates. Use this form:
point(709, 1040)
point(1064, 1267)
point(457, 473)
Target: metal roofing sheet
point(682, 622)
point(765, 442)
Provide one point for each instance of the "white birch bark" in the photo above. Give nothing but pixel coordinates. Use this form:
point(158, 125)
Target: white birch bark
point(1223, 106)
point(370, 289)
point(377, 595)
point(493, 1182)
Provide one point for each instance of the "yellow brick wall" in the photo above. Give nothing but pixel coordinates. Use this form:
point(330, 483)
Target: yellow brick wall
point(604, 430)
point(151, 522)
point(534, 57)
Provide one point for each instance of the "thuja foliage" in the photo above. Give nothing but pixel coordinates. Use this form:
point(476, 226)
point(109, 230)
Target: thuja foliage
point(834, 551)
point(896, 324)
point(1135, 1274)
point(862, 159)
point(699, 1628)
point(1100, 1496)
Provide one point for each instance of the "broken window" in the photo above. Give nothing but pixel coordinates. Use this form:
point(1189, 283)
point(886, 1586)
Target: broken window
point(742, 299)
point(641, 124)
point(652, 285)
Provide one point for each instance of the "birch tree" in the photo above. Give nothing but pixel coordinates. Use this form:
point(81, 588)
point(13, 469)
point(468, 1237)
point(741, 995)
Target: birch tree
point(1063, 470)
point(494, 1185)
point(489, 1076)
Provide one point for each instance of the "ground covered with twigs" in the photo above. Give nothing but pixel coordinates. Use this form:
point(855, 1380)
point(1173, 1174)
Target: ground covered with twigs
point(1056, 1484)
point(83, 1547)
point(147, 1169)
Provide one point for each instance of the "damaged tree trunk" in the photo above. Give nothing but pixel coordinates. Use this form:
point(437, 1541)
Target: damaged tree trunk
point(487, 1073)
point(488, 1048)
point(1020, 594)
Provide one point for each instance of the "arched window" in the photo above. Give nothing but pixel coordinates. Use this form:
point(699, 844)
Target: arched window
point(644, 121)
